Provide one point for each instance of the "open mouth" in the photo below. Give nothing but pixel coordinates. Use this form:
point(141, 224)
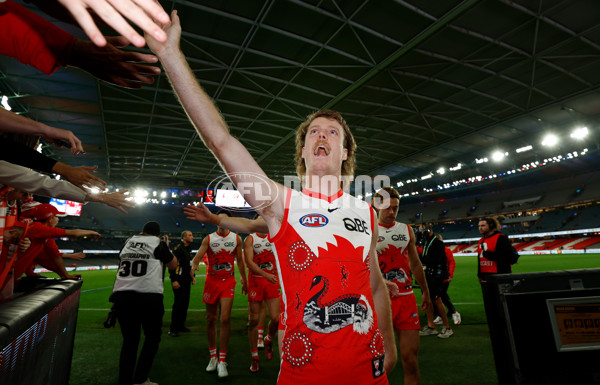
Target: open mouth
point(321, 149)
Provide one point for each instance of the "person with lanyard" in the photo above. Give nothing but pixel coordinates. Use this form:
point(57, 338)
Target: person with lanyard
point(436, 271)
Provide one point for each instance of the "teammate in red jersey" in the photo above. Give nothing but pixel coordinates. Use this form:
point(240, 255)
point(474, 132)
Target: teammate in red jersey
point(222, 248)
point(263, 285)
point(396, 249)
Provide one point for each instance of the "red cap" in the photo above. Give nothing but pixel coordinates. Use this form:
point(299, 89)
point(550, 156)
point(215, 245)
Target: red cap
point(44, 211)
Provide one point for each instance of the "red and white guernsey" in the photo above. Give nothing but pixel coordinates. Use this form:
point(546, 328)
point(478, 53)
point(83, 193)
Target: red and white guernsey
point(331, 333)
point(263, 255)
point(221, 255)
point(392, 252)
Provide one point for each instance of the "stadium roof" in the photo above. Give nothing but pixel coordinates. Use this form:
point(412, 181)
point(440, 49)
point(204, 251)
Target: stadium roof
point(422, 84)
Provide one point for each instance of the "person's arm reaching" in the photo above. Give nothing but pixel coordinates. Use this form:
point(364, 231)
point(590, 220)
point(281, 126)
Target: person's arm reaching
point(11, 122)
point(146, 14)
point(113, 65)
point(201, 213)
point(242, 169)
point(383, 307)
point(81, 233)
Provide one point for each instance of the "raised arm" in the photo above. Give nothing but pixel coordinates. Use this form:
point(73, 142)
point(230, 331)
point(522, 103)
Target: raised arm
point(201, 213)
point(382, 303)
point(242, 169)
point(11, 122)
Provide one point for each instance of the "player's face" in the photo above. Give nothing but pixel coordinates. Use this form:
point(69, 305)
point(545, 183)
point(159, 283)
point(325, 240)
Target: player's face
point(388, 210)
point(484, 228)
point(324, 150)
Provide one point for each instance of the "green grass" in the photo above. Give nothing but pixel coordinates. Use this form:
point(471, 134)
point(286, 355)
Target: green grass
point(464, 359)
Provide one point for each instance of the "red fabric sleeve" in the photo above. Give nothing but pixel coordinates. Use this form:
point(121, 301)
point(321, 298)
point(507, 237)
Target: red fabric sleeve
point(40, 231)
point(451, 262)
point(33, 40)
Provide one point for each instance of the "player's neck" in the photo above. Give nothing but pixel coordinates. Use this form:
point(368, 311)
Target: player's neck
point(386, 224)
point(222, 231)
point(326, 185)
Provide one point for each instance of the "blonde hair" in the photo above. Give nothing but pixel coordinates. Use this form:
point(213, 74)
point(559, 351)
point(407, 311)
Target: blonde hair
point(349, 142)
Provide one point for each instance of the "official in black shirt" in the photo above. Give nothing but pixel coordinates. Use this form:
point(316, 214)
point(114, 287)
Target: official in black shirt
point(181, 282)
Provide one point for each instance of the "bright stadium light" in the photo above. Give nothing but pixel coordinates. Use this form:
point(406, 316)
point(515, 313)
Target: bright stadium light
point(550, 140)
point(163, 194)
point(579, 133)
point(497, 156)
point(441, 171)
point(524, 148)
point(5, 103)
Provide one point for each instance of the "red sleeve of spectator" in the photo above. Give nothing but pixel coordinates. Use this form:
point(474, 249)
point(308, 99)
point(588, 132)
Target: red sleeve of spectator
point(451, 262)
point(33, 40)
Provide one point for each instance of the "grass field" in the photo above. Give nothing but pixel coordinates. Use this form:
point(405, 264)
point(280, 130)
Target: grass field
point(464, 359)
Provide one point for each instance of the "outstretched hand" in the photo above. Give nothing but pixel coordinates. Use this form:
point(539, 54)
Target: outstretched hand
point(198, 213)
point(115, 199)
point(141, 12)
point(173, 31)
point(79, 176)
point(60, 137)
point(113, 65)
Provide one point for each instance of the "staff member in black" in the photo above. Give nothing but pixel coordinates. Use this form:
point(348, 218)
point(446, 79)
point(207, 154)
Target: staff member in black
point(181, 282)
point(138, 299)
point(436, 271)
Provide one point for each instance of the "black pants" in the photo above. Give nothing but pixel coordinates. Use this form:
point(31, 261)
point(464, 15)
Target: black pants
point(180, 306)
point(445, 300)
point(135, 313)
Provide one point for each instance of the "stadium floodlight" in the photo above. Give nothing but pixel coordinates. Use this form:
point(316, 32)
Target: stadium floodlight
point(524, 148)
point(457, 167)
point(441, 171)
point(550, 140)
point(426, 176)
point(579, 133)
point(163, 194)
point(5, 103)
point(497, 156)
point(400, 184)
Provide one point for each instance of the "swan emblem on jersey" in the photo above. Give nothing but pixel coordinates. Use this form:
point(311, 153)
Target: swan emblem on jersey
point(395, 275)
point(222, 266)
point(266, 266)
point(345, 310)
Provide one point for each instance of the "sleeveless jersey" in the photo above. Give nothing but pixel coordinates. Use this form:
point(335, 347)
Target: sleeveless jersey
point(392, 252)
point(139, 269)
point(221, 255)
point(263, 254)
point(322, 258)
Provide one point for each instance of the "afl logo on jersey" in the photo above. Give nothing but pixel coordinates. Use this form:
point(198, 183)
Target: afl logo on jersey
point(215, 245)
point(314, 220)
point(380, 239)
